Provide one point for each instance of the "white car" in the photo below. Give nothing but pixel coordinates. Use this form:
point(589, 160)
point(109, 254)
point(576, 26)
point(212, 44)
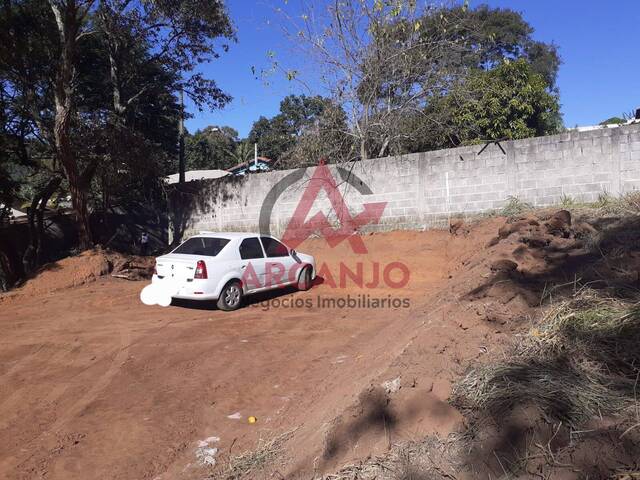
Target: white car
point(227, 266)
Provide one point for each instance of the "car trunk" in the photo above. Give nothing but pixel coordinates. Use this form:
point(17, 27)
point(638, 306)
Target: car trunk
point(177, 267)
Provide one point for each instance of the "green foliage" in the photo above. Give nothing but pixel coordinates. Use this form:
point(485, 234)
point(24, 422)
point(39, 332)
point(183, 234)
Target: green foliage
point(402, 69)
point(242, 152)
point(272, 136)
point(325, 139)
point(106, 74)
point(209, 149)
point(613, 121)
point(306, 129)
point(514, 207)
point(508, 102)
point(566, 201)
point(483, 37)
point(278, 137)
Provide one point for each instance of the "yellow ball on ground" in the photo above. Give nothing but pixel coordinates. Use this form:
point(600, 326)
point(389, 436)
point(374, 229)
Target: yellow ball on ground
point(252, 419)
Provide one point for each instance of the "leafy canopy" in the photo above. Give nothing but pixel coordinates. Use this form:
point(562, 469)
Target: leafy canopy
point(510, 101)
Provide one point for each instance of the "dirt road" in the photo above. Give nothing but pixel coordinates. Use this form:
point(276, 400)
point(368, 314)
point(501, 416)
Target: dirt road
point(93, 384)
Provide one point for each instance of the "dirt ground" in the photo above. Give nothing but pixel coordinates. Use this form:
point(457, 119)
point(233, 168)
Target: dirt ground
point(94, 384)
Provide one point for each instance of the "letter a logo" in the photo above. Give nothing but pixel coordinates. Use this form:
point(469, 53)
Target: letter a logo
point(299, 228)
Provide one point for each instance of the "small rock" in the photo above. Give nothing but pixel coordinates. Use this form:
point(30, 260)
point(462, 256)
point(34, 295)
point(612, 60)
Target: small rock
point(563, 216)
point(494, 241)
point(455, 225)
point(559, 223)
point(505, 230)
point(503, 265)
point(535, 241)
point(584, 228)
point(392, 386)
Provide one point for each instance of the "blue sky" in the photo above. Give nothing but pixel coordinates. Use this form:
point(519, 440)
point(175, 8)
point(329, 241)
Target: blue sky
point(598, 41)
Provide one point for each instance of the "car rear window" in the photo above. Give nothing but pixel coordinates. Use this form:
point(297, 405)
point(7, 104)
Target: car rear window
point(273, 247)
point(207, 246)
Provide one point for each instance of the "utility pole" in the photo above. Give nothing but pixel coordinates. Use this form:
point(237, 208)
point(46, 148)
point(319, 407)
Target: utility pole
point(181, 163)
point(255, 155)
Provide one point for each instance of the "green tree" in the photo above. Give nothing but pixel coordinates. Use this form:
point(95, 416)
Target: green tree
point(510, 101)
point(439, 52)
point(28, 174)
point(389, 65)
point(271, 136)
point(242, 152)
point(278, 135)
point(502, 33)
point(326, 138)
point(209, 148)
point(96, 80)
point(613, 121)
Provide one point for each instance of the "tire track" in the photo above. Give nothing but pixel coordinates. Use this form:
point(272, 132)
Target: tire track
point(33, 447)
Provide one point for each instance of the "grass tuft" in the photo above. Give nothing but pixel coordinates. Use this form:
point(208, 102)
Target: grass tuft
point(428, 459)
point(582, 361)
point(567, 202)
point(514, 207)
point(250, 463)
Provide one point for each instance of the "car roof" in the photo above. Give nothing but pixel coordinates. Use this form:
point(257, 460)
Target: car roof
point(230, 235)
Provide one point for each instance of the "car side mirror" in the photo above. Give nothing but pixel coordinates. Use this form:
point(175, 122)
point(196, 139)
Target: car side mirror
point(293, 253)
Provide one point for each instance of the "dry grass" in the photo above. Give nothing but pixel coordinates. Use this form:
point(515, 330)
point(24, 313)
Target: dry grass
point(605, 206)
point(250, 463)
point(428, 459)
point(581, 362)
point(632, 202)
point(608, 205)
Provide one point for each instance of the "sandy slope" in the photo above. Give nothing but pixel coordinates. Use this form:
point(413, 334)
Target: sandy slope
point(93, 384)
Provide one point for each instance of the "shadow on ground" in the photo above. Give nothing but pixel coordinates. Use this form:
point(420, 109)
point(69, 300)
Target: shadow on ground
point(248, 301)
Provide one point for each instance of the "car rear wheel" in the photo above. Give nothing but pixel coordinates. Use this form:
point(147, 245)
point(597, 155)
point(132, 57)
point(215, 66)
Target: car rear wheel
point(304, 280)
point(230, 296)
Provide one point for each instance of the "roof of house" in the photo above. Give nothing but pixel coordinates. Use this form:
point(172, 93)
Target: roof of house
point(17, 213)
point(197, 175)
point(248, 163)
point(588, 128)
point(14, 212)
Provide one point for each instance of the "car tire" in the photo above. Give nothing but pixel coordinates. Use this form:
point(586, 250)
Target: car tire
point(230, 297)
point(304, 280)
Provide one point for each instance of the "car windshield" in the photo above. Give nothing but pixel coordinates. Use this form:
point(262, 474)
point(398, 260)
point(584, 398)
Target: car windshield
point(207, 246)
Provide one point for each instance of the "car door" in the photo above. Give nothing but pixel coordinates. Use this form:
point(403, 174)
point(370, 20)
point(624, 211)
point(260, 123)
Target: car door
point(280, 267)
point(252, 264)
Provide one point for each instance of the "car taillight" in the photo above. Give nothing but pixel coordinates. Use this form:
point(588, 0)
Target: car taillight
point(201, 270)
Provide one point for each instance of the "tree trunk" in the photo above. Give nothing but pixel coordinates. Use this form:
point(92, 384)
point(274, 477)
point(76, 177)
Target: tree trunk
point(34, 254)
point(68, 22)
point(383, 148)
point(49, 190)
point(364, 155)
point(79, 202)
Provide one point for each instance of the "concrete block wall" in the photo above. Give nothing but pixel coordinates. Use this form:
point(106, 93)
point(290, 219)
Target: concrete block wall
point(423, 190)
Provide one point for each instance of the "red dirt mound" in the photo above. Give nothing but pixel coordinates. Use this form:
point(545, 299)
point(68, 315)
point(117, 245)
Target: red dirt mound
point(492, 292)
point(85, 268)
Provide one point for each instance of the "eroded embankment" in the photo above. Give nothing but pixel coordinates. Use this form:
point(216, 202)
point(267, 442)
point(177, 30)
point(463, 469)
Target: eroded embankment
point(541, 329)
